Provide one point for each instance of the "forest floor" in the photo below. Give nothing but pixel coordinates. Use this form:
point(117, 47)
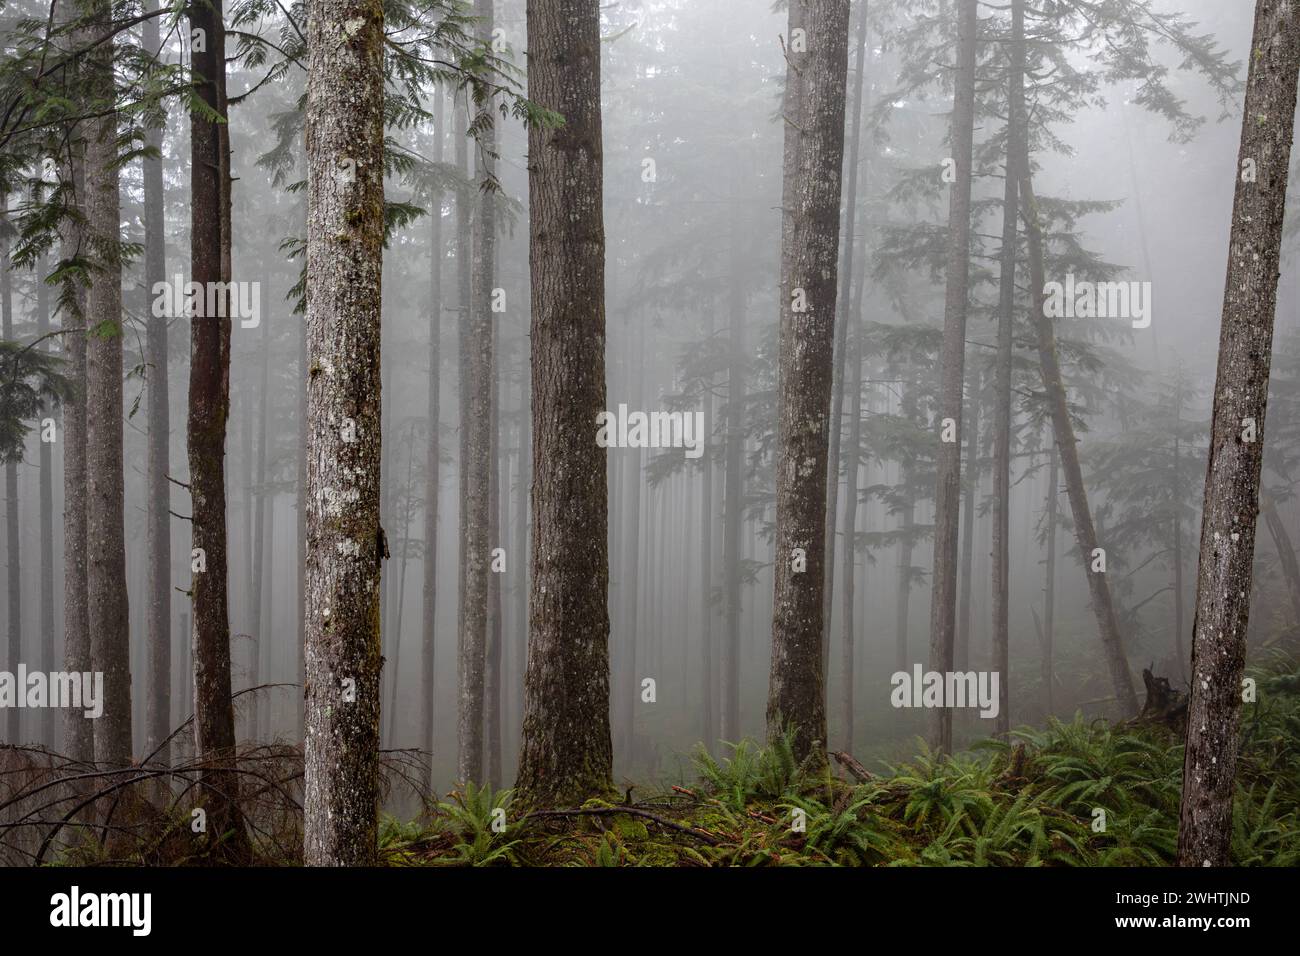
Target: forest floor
point(1082, 793)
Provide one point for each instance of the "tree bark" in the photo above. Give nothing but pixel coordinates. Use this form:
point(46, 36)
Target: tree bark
point(952, 361)
point(1001, 663)
point(1232, 478)
point(433, 462)
point(78, 730)
point(105, 536)
point(158, 541)
point(813, 162)
point(847, 242)
point(345, 542)
point(1067, 447)
point(209, 412)
point(566, 752)
point(477, 463)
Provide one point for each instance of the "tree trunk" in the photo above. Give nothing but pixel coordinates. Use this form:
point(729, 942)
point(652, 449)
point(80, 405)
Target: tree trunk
point(1236, 449)
point(49, 733)
point(1066, 444)
point(852, 454)
point(209, 411)
point(952, 360)
point(1049, 587)
point(841, 333)
point(259, 635)
point(1177, 500)
point(961, 653)
point(566, 753)
point(78, 730)
point(158, 542)
point(477, 463)
point(433, 463)
point(345, 541)
point(708, 724)
point(13, 565)
point(105, 534)
point(814, 157)
point(1001, 662)
point(733, 492)
point(1285, 553)
point(520, 549)
point(492, 675)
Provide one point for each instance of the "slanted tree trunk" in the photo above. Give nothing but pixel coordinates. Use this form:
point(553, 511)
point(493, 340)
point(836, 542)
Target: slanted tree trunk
point(105, 533)
point(814, 156)
point(433, 463)
point(952, 361)
point(1067, 447)
point(566, 754)
point(1231, 507)
point(158, 541)
point(78, 730)
point(345, 542)
point(209, 412)
point(1001, 663)
point(841, 332)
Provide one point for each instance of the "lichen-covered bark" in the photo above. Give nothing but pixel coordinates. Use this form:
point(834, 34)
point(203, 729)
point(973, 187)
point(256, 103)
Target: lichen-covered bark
point(345, 545)
point(105, 541)
point(1232, 477)
point(566, 753)
point(1085, 533)
point(813, 111)
point(952, 363)
point(158, 495)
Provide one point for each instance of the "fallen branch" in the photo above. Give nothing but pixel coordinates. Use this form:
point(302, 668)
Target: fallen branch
point(699, 834)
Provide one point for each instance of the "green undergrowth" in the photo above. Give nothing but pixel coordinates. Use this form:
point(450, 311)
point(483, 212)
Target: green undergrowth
point(1082, 793)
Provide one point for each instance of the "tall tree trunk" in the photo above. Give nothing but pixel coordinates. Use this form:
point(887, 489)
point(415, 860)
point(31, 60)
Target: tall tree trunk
point(522, 488)
point(477, 463)
point(1001, 663)
point(1236, 450)
point(433, 463)
point(395, 626)
point(708, 724)
point(158, 541)
point(952, 360)
point(1067, 447)
point(1177, 500)
point(259, 635)
point(566, 752)
point(961, 653)
point(301, 531)
point(345, 542)
point(1049, 586)
point(492, 675)
point(852, 454)
point(209, 411)
point(49, 733)
point(78, 730)
point(13, 565)
point(733, 492)
point(814, 157)
point(632, 569)
point(105, 534)
point(841, 332)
